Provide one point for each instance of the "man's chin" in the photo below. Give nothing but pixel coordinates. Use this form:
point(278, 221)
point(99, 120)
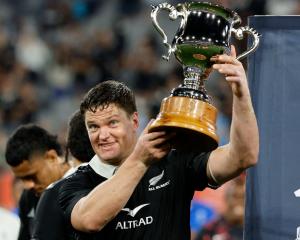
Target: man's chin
point(110, 159)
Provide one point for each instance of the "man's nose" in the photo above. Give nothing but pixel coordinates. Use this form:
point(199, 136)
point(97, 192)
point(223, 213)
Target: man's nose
point(104, 133)
point(28, 184)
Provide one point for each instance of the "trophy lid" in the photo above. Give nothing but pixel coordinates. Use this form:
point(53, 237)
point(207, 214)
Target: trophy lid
point(214, 8)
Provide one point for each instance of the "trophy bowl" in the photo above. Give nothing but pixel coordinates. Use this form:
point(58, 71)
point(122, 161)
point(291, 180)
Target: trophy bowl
point(205, 30)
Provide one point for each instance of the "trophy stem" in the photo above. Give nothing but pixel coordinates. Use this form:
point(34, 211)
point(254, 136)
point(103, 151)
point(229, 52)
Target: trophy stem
point(193, 85)
point(192, 78)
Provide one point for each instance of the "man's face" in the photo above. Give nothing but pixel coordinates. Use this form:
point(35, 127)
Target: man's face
point(38, 172)
point(112, 133)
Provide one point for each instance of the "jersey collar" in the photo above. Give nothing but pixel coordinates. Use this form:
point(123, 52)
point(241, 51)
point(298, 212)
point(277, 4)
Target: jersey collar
point(101, 168)
point(73, 169)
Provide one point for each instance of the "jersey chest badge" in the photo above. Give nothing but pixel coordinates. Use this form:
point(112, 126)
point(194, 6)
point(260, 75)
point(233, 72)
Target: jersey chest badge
point(157, 182)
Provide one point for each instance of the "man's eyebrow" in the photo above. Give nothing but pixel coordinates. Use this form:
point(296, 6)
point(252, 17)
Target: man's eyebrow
point(28, 176)
point(112, 116)
point(90, 121)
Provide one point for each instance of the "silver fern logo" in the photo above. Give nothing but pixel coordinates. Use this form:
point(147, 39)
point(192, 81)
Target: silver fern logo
point(154, 181)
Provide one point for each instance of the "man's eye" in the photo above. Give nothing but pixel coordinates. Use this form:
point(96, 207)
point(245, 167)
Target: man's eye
point(92, 127)
point(113, 122)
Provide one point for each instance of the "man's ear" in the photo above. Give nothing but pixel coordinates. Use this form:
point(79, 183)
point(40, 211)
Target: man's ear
point(51, 155)
point(135, 120)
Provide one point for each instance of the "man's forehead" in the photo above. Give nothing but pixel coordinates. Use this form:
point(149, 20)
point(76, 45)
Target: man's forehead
point(106, 111)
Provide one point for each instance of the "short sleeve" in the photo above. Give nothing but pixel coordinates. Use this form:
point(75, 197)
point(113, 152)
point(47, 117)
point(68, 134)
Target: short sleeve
point(72, 190)
point(196, 167)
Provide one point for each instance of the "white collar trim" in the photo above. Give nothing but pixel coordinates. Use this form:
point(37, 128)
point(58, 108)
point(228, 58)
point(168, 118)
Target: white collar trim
point(101, 168)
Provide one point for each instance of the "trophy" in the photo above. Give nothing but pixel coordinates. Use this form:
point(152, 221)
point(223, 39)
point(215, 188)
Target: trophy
point(205, 30)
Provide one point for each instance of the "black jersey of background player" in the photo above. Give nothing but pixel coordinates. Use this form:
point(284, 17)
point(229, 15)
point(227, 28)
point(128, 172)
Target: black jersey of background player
point(27, 208)
point(50, 222)
point(159, 208)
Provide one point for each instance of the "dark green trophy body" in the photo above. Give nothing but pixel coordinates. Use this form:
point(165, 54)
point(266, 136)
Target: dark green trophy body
point(205, 33)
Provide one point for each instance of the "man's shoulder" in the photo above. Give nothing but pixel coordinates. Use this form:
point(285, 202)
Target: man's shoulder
point(82, 172)
point(84, 177)
point(54, 186)
point(85, 169)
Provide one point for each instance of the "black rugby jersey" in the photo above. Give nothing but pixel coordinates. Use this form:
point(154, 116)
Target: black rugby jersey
point(159, 207)
point(50, 222)
point(27, 206)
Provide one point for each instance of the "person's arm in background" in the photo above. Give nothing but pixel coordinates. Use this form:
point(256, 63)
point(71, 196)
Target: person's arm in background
point(229, 161)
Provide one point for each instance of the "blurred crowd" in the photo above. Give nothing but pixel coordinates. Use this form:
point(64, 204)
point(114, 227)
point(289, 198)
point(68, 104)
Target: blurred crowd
point(52, 52)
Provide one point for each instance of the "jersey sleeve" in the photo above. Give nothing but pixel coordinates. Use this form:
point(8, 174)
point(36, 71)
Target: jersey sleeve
point(196, 168)
point(193, 168)
point(71, 191)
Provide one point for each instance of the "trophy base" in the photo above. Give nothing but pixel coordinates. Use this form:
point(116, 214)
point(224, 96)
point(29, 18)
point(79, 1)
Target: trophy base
point(193, 120)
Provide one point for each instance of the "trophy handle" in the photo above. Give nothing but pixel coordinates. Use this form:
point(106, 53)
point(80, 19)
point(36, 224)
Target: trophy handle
point(239, 34)
point(172, 15)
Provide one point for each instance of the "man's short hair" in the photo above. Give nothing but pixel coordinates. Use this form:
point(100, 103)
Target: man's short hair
point(78, 142)
point(27, 140)
point(106, 93)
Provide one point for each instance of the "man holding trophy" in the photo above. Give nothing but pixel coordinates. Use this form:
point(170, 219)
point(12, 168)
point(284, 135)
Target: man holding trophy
point(141, 188)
